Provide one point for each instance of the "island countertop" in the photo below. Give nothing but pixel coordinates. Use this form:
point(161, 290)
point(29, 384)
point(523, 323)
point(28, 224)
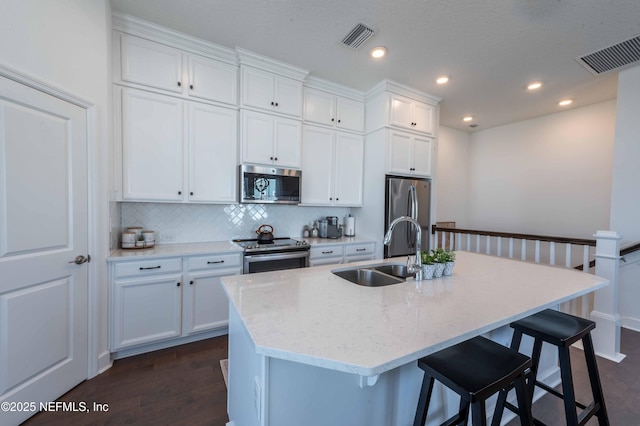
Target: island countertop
point(314, 317)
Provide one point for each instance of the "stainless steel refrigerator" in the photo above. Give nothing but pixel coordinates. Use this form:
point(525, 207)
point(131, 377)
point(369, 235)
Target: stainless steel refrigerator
point(407, 197)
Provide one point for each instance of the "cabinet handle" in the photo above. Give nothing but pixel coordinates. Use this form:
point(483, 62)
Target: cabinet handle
point(333, 119)
point(191, 86)
point(191, 282)
point(339, 121)
point(179, 192)
point(270, 158)
point(276, 104)
point(337, 199)
point(272, 103)
point(330, 198)
point(275, 158)
point(151, 267)
point(177, 284)
point(327, 252)
point(179, 84)
point(213, 262)
point(191, 193)
point(364, 249)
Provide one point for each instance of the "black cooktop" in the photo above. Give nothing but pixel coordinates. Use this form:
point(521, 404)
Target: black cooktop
point(278, 244)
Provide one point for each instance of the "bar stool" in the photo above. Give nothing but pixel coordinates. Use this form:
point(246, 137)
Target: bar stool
point(561, 330)
point(475, 370)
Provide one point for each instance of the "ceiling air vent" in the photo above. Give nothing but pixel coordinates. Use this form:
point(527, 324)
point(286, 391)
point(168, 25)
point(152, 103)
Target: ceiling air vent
point(612, 57)
point(357, 36)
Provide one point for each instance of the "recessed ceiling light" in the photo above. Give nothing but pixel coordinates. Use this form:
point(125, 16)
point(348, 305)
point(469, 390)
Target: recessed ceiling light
point(442, 79)
point(565, 102)
point(467, 118)
point(535, 85)
point(378, 52)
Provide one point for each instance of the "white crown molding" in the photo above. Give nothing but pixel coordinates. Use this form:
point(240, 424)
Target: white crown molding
point(141, 28)
point(249, 58)
point(334, 88)
point(401, 89)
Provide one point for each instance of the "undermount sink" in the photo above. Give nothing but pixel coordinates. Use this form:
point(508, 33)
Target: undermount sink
point(374, 275)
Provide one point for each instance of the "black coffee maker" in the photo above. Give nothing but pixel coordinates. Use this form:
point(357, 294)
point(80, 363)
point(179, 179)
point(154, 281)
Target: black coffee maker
point(333, 228)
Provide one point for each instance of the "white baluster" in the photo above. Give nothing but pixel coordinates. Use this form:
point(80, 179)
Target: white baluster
point(499, 248)
point(478, 243)
point(488, 244)
point(552, 253)
point(567, 256)
point(523, 255)
point(468, 242)
point(537, 253)
point(510, 248)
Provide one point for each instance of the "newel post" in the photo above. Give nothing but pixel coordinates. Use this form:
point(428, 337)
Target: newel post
point(606, 336)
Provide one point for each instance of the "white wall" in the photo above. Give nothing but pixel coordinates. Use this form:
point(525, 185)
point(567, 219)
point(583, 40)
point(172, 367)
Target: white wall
point(625, 204)
point(67, 45)
point(548, 175)
point(452, 192)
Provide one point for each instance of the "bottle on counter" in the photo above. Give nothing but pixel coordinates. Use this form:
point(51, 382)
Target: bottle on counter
point(305, 232)
point(314, 231)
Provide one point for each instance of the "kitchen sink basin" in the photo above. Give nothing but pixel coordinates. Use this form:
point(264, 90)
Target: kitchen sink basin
point(374, 275)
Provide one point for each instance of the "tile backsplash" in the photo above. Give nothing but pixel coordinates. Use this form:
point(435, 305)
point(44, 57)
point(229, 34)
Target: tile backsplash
point(186, 223)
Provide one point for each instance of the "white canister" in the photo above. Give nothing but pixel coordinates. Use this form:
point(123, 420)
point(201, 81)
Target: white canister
point(128, 239)
point(149, 237)
point(349, 226)
point(137, 230)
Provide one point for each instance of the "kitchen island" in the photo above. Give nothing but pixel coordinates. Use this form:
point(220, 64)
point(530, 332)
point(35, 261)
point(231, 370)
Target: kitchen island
point(307, 347)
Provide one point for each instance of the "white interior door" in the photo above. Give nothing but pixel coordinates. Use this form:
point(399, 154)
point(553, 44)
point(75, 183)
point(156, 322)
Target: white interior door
point(43, 227)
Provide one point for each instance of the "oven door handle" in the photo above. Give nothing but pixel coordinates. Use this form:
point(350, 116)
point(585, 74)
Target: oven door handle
point(275, 256)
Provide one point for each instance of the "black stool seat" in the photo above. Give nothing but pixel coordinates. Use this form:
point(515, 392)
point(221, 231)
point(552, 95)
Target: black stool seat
point(555, 327)
point(561, 330)
point(475, 370)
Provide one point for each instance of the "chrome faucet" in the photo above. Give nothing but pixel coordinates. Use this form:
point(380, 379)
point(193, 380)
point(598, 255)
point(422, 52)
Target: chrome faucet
point(416, 267)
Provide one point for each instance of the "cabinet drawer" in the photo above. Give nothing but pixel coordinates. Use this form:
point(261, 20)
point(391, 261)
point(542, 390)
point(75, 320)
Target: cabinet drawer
point(326, 251)
point(215, 261)
point(360, 249)
point(148, 267)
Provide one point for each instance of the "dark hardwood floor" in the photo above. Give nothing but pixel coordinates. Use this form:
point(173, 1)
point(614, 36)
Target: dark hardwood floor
point(184, 386)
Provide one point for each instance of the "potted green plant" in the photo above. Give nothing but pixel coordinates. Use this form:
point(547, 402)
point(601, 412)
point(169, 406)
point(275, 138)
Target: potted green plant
point(439, 259)
point(428, 265)
point(449, 259)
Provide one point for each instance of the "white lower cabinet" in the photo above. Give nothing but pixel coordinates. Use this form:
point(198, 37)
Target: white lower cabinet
point(165, 301)
point(334, 254)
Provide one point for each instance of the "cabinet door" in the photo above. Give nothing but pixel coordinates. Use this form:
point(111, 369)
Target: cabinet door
point(399, 153)
point(422, 156)
point(401, 111)
point(152, 146)
point(151, 64)
point(319, 107)
point(206, 306)
point(317, 165)
point(146, 310)
point(213, 80)
point(350, 114)
point(288, 142)
point(288, 96)
point(423, 116)
point(349, 169)
point(212, 154)
point(256, 137)
point(257, 88)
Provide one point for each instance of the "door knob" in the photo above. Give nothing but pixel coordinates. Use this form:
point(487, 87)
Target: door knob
point(80, 259)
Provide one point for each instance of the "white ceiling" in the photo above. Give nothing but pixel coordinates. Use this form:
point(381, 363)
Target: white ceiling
point(491, 48)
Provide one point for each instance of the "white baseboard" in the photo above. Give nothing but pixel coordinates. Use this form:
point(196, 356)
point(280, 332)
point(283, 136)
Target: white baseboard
point(631, 323)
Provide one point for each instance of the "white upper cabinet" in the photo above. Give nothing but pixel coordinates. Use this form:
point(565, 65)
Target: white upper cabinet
point(174, 150)
point(331, 110)
point(411, 114)
point(270, 140)
point(271, 92)
point(409, 154)
point(212, 148)
point(152, 146)
point(332, 164)
point(150, 64)
point(158, 66)
point(213, 80)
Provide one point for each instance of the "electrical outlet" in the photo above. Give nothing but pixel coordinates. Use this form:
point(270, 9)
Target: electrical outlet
point(167, 238)
point(257, 398)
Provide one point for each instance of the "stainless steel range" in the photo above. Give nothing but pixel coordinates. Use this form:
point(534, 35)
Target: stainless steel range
point(281, 253)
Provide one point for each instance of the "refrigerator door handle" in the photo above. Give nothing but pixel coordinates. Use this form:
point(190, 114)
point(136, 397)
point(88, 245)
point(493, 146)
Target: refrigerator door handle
point(412, 212)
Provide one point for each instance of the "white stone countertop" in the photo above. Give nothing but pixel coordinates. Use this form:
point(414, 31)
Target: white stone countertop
point(314, 317)
point(167, 250)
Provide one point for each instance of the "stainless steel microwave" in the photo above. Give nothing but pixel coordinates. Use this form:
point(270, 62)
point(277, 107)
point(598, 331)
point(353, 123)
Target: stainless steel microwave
point(262, 184)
